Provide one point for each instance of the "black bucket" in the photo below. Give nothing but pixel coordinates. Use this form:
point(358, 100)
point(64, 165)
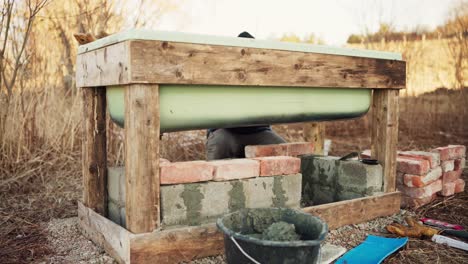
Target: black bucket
point(236, 225)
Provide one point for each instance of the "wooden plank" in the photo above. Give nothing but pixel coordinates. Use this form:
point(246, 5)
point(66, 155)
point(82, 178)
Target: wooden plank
point(315, 133)
point(174, 246)
point(107, 66)
point(384, 133)
point(357, 210)
point(112, 237)
point(94, 163)
point(186, 63)
point(142, 157)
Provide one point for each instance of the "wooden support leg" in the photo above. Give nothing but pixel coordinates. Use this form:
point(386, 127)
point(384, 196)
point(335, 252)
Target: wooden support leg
point(142, 157)
point(384, 127)
point(94, 149)
point(315, 133)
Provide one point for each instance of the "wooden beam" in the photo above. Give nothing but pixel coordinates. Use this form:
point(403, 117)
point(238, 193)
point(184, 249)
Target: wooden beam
point(94, 163)
point(175, 246)
point(142, 157)
point(384, 133)
point(357, 210)
point(112, 237)
point(315, 133)
point(150, 61)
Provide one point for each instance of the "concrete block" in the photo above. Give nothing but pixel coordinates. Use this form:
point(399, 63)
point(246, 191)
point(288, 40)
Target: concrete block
point(319, 169)
point(225, 170)
point(358, 177)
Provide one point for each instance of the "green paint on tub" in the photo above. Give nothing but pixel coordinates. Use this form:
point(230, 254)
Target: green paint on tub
point(189, 107)
point(193, 196)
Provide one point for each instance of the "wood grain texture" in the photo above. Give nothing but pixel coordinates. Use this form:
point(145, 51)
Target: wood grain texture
point(161, 62)
point(357, 210)
point(94, 154)
point(315, 133)
point(384, 133)
point(142, 157)
point(102, 231)
point(108, 66)
point(175, 246)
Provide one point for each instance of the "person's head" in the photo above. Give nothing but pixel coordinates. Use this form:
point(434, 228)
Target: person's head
point(245, 34)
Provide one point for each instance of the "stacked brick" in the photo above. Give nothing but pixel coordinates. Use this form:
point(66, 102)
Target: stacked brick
point(423, 175)
point(262, 160)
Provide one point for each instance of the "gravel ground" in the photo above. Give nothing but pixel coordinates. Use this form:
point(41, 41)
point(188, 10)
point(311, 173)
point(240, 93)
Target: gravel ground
point(70, 246)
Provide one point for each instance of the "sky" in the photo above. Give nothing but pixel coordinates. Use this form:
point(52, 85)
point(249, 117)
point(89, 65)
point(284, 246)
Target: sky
point(331, 20)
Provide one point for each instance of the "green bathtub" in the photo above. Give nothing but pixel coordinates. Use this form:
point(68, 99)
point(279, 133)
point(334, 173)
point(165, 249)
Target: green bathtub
point(189, 107)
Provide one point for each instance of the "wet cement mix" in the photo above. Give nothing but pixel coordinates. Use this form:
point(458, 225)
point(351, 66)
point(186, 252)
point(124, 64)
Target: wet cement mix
point(279, 231)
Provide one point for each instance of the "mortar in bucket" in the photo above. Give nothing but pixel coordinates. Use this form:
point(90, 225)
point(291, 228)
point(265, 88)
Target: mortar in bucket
point(244, 243)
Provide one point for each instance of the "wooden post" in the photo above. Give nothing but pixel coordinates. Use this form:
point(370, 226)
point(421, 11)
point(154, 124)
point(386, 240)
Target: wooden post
point(384, 131)
point(142, 157)
point(94, 149)
point(315, 133)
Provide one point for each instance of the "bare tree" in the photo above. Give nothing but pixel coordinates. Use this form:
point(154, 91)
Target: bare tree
point(15, 30)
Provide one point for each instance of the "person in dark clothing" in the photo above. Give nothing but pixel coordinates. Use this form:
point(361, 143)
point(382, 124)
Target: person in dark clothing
point(225, 143)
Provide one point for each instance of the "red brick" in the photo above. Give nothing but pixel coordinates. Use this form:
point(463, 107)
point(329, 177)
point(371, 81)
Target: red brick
point(448, 165)
point(451, 152)
point(185, 172)
point(451, 176)
point(448, 189)
point(459, 164)
point(411, 180)
point(459, 185)
point(285, 149)
point(407, 201)
point(225, 170)
point(412, 165)
point(299, 148)
point(255, 151)
point(422, 192)
point(432, 157)
point(279, 165)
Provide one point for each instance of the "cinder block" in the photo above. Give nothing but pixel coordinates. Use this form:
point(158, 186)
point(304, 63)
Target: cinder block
point(432, 157)
point(422, 192)
point(451, 152)
point(358, 177)
point(451, 176)
point(198, 203)
point(459, 164)
point(185, 172)
point(412, 165)
point(448, 189)
point(326, 179)
point(459, 185)
point(407, 201)
point(225, 170)
point(411, 180)
point(279, 165)
point(255, 151)
point(448, 165)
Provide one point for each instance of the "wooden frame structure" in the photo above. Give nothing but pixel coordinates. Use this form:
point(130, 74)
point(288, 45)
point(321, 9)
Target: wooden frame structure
point(141, 65)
